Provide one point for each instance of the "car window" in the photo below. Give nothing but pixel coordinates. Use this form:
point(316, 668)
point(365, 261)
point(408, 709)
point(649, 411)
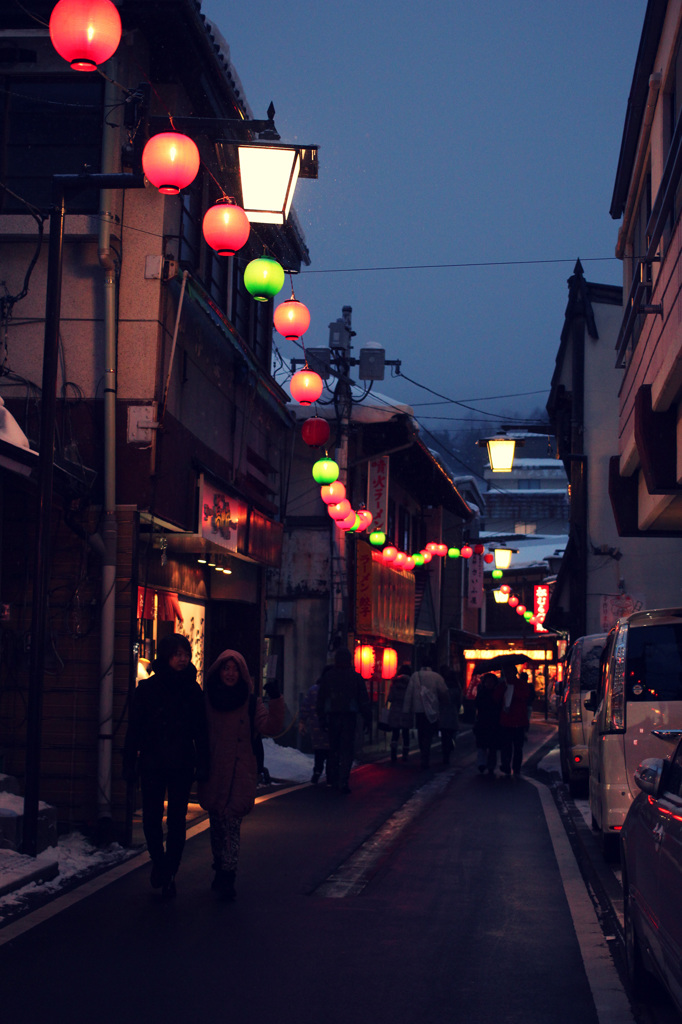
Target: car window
point(673, 778)
point(654, 663)
point(589, 678)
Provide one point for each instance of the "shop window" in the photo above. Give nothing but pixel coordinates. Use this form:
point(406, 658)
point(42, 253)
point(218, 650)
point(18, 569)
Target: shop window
point(49, 126)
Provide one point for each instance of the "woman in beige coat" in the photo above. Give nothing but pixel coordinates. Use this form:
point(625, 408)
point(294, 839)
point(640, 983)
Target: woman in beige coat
point(235, 715)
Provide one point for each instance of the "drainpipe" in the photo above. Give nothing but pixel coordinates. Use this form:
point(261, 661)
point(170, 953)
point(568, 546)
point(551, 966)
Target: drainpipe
point(109, 529)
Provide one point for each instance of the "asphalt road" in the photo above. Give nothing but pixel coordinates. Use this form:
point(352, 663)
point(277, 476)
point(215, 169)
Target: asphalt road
point(416, 898)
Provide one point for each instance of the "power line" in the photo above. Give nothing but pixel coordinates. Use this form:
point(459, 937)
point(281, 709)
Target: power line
point(451, 266)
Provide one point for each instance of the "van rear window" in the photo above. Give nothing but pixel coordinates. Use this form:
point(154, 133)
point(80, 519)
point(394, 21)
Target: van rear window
point(654, 669)
point(591, 658)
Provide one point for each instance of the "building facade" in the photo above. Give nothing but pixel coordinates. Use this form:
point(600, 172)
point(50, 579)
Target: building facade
point(172, 438)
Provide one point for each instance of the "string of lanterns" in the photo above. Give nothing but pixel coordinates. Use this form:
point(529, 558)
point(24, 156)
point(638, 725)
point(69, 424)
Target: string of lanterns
point(514, 601)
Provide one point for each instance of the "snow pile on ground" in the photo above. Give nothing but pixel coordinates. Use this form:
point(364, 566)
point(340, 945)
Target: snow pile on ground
point(287, 763)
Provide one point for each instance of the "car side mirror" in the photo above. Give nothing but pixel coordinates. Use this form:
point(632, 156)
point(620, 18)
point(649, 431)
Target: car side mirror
point(590, 704)
point(649, 775)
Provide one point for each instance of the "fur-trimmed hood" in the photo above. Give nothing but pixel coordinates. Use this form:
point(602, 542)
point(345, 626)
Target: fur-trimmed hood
point(239, 658)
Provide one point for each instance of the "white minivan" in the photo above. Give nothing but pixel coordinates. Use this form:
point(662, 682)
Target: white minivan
point(637, 712)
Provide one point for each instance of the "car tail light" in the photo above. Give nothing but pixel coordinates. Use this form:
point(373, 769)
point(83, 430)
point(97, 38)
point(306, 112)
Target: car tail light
point(615, 707)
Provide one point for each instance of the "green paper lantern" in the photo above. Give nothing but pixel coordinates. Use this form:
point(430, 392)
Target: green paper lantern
point(497, 574)
point(453, 552)
point(377, 538)
point(528, 615)
point(325, 471)
point(418, 558)
point(356, 524)
point(263, 278)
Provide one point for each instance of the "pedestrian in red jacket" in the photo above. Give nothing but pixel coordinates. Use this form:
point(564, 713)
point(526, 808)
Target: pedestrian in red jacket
point(514, 719)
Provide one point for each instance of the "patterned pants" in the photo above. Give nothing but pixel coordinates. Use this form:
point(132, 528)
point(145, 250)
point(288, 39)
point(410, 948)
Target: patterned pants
point(225, 841)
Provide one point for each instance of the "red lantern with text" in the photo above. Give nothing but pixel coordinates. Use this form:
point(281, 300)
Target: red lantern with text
point(170, 161)
point(333, 492)
point(292, 319)
point(85, 32)
point(513, 601)
point(389, 662)
point(315, 432)
point(364, 660)
point(226, 227)
point(306, 386)
point(467, 551)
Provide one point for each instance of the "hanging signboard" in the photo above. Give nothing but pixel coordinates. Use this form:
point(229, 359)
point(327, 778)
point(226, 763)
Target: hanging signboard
point(384, 598)
point(540, 605)
point(222, 518)
point(377, 492)
point(475, 581)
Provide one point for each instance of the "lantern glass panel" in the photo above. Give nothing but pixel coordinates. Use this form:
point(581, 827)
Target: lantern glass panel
point(268, 175)
point(501, 454)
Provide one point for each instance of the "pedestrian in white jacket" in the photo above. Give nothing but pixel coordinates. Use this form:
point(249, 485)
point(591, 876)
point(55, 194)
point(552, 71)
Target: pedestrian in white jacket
point(426, 692)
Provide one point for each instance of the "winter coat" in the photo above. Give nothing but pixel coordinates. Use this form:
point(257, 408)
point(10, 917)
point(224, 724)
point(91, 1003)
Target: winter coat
point(319, 737)
point(342, 691)
point(518, 712)
point(397, 718)
point(167, 725)
point(448, 717)
point(230, 790)
point(429, 679)
point(487, 705)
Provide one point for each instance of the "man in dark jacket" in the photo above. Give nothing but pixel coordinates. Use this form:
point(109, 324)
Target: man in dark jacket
point(341, 697)
point(167, 729)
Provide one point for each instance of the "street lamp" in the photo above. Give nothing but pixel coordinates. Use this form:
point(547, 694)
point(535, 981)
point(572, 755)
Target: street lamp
point(500, 451)
point(503, 556)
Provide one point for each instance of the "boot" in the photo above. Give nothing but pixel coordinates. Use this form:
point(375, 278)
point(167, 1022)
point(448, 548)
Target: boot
point(168, 890)
point(406, 753)
point(394, 752)
point(159, 873)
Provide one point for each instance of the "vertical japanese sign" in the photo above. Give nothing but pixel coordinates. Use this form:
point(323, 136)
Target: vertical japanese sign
point(377, 492)
point(475, 581)
point(540, 605)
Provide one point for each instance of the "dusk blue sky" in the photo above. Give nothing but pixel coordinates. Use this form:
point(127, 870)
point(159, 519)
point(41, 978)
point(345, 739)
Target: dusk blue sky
point(450, 132)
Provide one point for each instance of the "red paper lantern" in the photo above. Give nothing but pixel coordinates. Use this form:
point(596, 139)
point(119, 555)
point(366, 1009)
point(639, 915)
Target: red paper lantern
point(331, 493)
point(520, 609)
point(364, 659)
point(389, 663)
point(442, 550)
point(306, 386)
point(315, 432)
point(505, 588)
point(389, 553)
point(513, 601)
point(170, 161)
point(399, 560)
point(467, 551)
point(409, 564)
point(488, 558)
point(349, 522)
point(85, 32)
point(479, 549)
point(226, 227)
point(366, 518)
point(426, 555)
point(432, 546)
point(340, 510)
point(292, 319)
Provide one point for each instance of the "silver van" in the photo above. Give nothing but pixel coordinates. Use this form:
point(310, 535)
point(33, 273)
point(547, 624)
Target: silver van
point(582, 676)
point(637, 712)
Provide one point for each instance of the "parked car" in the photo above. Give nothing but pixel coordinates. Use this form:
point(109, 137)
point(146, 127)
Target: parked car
point(651, 858)
point(581, 676)
point(637, 712)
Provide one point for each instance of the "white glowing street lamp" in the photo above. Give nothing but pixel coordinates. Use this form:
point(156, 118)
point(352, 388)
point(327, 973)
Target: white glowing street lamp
point(503, 557)
point(268, 175)
point(501, 451)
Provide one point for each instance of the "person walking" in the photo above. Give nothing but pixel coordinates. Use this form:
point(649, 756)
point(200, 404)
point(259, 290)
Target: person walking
point(514, 719)
point(448, 718)
point(426, 691)
point(399, 722)
point(341, 697)
point(235, 715)
point(487, 707)
point(311, 727)
point(167, 742)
